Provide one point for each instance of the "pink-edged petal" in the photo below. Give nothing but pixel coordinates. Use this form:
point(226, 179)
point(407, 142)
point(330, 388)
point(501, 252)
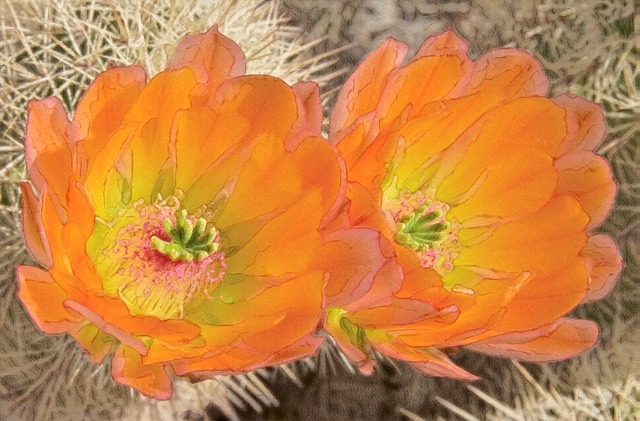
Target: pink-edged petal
point(603, 265)
point(514, 72)
point(111, 313)
point(238, 359)
point(105, 327)
point(44, 300)
point(423, 81)
point(430, 361)
point(587, 177)
point(305, 347)
point(352, 258)
point(211, 56)
point(34, 235)
point(48, 154)
point(361, 92)
point(445, 43)
point(585, 121)
point(309, 122)
point(537, 305)
point(564, 339)
point(386, 282)
point(152, 380)
point(478, 310)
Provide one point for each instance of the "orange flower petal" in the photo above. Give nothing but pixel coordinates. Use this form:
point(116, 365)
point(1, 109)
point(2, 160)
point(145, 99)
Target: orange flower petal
point(445, 43)
point(154, 112)
point(44, 299)
point(104, 326)
point(137, 159)
point(204, 142)
point(436, 139)
point(495, 137)
point(603, 265)
point(364, 209)
point(419, 282)
point(305, 347)
point(114, 312)
point(400, 314)
point(361, 92)
point(428, 360)
point(536, 304)
point(543, 241)
point(370, 168)
point(353, 143)
point(79, 226)
point(299, 306)
point(48, 153)
point(507, 188)
point(386, 282)
point(352, 258)
point(211, 56)
point(587, 177)
point(75, 221)
point(234, 360)
point(236, 309)
point(298, 180)
point(480, 309)
point(102, 109)
point(514, 72)
point(309, 122)
point(152, 380)
point(108, 188)
point(251, 110)
point(294, 326)
point(242, 359)
point(296, 248)
point(52, 217)
point(424, 80)
point(34, 235)
point(564, 339)
point(585, 122)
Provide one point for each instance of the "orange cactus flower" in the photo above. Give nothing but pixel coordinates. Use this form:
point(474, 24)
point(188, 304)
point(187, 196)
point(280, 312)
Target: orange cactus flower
point(487, 193)
point(178, 220)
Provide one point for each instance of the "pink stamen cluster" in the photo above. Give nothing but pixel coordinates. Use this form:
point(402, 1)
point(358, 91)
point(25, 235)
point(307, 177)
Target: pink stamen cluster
point(440, 254)
point(152, 283)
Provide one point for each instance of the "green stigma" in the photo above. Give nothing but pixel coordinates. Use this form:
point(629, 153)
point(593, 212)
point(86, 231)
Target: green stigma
point(189, 241)
point(419, 231)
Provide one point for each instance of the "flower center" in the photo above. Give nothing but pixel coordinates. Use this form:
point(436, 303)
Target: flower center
point(188, 240)
point(419, 230)
point(422, 226)
point(160, 258)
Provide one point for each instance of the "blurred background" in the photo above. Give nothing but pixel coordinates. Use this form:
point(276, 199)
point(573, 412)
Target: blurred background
point(587, 47)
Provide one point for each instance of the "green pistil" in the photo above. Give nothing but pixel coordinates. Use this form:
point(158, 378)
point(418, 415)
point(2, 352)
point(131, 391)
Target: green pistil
point(419, 231)
point(356, 334)
point(189, 241)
